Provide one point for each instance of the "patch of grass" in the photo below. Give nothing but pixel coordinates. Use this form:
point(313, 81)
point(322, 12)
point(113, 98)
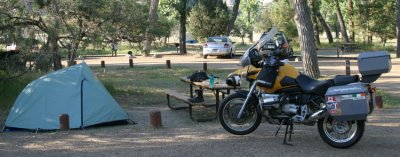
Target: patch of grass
point(146, 85)
point(389, 101)
point(94, 52)
point(240, 48)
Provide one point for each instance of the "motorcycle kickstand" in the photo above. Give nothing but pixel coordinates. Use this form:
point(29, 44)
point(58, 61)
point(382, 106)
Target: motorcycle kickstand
point(279, 128)
point(290, 134)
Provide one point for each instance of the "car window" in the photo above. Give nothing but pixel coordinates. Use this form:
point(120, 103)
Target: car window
point(217, 39)
point(210, 40)
point(279, 36)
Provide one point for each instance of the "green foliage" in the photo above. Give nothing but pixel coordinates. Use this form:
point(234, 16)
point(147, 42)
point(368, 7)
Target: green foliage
point(370, 17)
point(380, 19)
point(10, 88)
point(279, 14)
point(246, 19)
point(124, 20)
point(164, 27)
point(241, 28)
point(208, 18)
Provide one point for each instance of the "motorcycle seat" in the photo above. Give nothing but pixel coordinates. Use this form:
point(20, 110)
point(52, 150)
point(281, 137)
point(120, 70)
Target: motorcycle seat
point(313, 86)
point(340, 80)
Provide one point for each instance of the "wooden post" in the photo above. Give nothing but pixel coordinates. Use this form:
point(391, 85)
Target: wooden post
point(337, 50)
point(131, 63)
point(64, 122)
point(103, 64)
point(168, 64)
point(204, 66)
point(347, 67)
point(155, 119)
point(378, 101)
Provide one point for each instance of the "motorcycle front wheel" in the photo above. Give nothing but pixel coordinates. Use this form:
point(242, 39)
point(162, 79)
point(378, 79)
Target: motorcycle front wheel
point(229, 109)
point(340, 134)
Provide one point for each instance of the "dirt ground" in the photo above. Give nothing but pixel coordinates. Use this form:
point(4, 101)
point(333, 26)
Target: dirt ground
point(180, 136)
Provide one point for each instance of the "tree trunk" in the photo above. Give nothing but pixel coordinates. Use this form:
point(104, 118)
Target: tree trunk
point(232, 20)
point(314, 10)
point(152, 26)
point(251, 31)
point(369, 37)
point(336, 30)
point(398, 29)
point(182, 33)
point(351, 22)
point(52, 40)
point(306, 36)
point(325, 26)
point(341, 23)
point(72, 53)
point(165, 41)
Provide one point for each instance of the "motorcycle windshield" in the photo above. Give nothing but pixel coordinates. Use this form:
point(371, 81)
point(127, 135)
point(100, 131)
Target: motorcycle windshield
point(245, 60)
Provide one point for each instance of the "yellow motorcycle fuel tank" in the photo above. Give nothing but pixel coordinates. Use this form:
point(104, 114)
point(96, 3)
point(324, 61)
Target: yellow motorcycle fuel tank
point(286, 70)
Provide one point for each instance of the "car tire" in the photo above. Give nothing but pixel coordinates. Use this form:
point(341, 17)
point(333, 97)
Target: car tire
point(231, 54)
point(205, 56)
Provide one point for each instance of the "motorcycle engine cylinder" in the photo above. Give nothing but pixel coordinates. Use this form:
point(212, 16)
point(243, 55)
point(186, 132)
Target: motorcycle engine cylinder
point(290, 108)
point(269, 100)
point(298, 99)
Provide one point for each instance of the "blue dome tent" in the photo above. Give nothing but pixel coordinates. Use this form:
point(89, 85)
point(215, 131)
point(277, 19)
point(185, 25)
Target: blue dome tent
point(74, 91)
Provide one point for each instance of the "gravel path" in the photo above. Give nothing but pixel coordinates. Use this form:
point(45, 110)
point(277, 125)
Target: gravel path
point(182, 137)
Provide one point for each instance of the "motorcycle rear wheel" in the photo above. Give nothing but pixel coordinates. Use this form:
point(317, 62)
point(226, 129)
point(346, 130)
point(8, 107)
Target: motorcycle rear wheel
point(340, 134)
point(229, 109)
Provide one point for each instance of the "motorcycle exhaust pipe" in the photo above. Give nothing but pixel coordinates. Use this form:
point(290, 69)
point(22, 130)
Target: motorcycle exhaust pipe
point(319, 114)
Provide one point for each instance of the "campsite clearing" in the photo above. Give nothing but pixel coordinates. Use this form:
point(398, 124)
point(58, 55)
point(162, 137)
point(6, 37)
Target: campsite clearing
point(182, 137)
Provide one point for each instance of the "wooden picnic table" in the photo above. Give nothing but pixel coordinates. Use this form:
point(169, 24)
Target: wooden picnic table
point(346, 47)
point(219, 87)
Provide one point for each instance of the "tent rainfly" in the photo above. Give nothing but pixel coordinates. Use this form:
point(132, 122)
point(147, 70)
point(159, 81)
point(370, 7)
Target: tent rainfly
point(74, 91)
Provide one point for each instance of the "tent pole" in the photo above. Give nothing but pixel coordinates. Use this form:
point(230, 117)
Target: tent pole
point(82, 103)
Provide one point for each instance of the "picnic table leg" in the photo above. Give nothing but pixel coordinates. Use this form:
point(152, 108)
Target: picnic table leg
point(191, 90)
point(172, 107)
point(216, 101)
point(228, 91)
point(190, 112)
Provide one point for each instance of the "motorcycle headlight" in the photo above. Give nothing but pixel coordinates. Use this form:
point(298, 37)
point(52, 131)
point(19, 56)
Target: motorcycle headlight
point(233, 80)
point(245, 59)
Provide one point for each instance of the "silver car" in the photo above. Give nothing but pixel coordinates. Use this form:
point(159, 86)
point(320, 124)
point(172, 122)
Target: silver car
point(218, 46)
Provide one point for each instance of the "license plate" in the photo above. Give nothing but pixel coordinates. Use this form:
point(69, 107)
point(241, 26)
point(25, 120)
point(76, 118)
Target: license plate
point(215, 50)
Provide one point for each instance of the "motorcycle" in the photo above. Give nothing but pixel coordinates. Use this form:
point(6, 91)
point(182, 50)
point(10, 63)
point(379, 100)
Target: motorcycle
point(338, 106)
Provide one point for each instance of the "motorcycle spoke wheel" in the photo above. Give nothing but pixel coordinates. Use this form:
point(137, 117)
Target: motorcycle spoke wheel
point(340, 134)
point(340, 131)
point(231, 111)
point(228, 112)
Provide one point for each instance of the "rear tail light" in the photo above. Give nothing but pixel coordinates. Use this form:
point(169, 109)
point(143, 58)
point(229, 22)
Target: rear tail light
point(371, 89)
point(226, 45)
point(285, 45)
point(205, 45)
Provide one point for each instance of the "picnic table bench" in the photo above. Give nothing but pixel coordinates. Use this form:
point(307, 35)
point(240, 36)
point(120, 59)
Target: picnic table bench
point(346, 48)
point(216, 89)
